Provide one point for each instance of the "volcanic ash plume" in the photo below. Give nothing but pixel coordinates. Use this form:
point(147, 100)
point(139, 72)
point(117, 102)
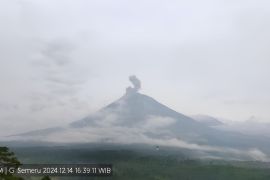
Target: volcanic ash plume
point(136, 83)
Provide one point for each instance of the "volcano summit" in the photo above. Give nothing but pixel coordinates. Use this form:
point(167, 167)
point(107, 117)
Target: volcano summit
point(136, 118)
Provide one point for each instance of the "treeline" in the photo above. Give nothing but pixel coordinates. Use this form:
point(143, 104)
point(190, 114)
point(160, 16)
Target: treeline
point(9, 160)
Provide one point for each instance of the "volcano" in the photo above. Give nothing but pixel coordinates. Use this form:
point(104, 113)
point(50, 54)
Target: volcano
point(136, 118)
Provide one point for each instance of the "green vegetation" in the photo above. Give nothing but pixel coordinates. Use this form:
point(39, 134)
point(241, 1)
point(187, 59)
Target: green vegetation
point(131, 165)
point(8, 160)
point(160, 168)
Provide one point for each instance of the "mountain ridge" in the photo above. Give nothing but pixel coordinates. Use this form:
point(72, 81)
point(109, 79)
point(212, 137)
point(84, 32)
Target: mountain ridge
point(136, 118)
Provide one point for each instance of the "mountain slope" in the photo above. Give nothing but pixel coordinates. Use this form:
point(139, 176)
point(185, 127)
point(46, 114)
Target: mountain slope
point(139, 119)
point(207, 120)
point(134, 108)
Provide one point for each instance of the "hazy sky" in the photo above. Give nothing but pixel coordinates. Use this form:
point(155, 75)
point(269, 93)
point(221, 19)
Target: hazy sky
point(61, 60)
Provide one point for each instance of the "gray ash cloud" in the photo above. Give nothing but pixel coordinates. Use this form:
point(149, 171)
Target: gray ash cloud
point(136, 84)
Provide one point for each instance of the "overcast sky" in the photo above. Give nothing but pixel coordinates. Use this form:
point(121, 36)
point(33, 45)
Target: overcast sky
point(62, 60)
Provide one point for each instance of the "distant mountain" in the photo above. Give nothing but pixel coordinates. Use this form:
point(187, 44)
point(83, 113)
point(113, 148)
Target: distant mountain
point(248, 127)
point(136, 118)
point(207, 120)
point(135, 109)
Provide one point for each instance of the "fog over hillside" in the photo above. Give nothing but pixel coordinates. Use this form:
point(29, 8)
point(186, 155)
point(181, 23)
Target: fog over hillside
point(136, 118)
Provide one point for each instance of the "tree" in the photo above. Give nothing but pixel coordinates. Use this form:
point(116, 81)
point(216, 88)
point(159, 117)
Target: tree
point(8, 160)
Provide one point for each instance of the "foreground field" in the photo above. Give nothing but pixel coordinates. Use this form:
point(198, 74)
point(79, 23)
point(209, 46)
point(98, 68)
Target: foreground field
point(147, 164)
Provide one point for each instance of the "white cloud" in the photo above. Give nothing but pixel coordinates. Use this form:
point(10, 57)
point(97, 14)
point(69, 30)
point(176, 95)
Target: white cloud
point(157, 122)
point(138, 135)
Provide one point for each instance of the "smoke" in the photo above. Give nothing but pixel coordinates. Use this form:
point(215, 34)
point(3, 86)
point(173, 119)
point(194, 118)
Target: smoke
point(136, 83)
